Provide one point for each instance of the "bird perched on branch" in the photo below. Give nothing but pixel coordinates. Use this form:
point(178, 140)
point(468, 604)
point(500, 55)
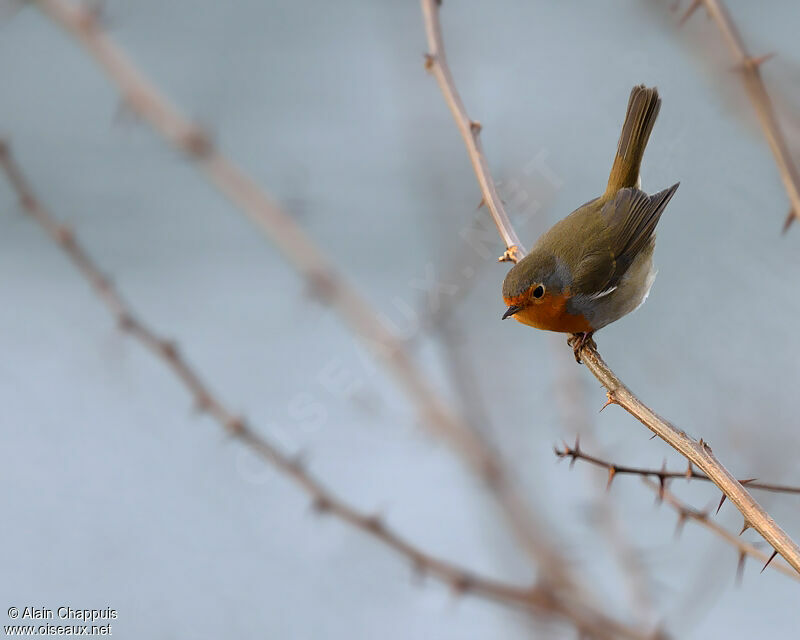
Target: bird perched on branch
point(596, 265)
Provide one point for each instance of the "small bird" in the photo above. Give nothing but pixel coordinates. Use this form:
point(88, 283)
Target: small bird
point(596, 265)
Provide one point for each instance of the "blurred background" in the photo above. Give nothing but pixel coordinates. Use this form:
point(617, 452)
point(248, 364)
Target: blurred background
point(117, 494)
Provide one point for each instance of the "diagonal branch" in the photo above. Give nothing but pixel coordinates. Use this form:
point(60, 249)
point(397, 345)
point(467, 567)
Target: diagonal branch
point(759, 97)
point(436, 63)
point(576, 453)
point(329, 285)
point(538, 599)
point(685, 512)
point(698, 453)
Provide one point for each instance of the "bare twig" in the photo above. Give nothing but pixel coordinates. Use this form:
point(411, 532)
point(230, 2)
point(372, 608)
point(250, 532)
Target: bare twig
point(697, 452)
point(576, 453)
point(757, 92)
point(142, 97)
point(539, 599)
point(436, 63)
point(685, 512)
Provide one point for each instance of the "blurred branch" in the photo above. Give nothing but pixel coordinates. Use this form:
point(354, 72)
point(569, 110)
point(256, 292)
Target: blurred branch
point(685, 512)
point(324, 280)
point(565, 594)
point(757, 92)
point(576, 453)
point(697, 452)
point(539, 599)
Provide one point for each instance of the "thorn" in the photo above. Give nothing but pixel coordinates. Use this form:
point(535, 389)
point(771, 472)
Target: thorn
point(419, 567)
point(169, 349)
point(740, 568)
point(609, 400)
point(688, 14)
point(755, 63)
point(721, 501)
point(511, 254)
point(235, 426)
point(461, 584)
point(481, 204)
point(202, 402)
point(682, 517)
point(653, 436)
point(297, 463)
point(89, 16)
point(321, 504)
point(197, 142)
point(125, 321)
point(747, 481)
point(321, 286)
point(689, 471)
point(774, 553)
point(374, 524)
point(745, 527)
point(662, 485)
point(475, 127)
point(430, 60)
point(789, 219)
point(64, 233)
point(612, 471)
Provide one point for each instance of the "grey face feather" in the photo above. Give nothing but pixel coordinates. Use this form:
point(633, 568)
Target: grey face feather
point(536, 268)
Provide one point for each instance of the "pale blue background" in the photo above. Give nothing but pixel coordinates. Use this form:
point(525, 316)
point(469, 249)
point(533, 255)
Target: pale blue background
point(116, 494)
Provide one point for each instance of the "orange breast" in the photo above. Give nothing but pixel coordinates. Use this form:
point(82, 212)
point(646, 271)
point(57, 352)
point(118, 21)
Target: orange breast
point(550, 313)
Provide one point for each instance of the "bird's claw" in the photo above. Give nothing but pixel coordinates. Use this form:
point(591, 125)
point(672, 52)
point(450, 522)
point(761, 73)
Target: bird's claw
point(580, 340)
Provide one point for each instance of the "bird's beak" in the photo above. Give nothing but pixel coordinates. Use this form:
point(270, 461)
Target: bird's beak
point(511, 311)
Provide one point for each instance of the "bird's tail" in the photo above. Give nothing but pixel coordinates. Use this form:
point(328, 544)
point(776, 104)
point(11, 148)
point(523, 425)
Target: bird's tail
point(643, 107)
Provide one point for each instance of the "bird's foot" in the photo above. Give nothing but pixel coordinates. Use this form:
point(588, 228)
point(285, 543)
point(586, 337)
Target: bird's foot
point(580, 340)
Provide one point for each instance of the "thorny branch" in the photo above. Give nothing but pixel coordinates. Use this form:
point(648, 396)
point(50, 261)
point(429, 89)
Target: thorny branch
point(662, 475)
point(698, 453)
point(703, 518)
point(436, 63)
point(750, 68)
point(539, 598)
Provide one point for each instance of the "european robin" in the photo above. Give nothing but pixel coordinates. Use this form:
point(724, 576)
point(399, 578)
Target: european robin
point(596, 265)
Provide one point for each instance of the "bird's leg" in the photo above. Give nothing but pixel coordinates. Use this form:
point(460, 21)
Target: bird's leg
point(578, 341)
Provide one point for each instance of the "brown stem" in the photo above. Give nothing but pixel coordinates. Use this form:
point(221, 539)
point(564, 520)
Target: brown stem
point(436, 63)
point(749, 67)
point(576, 453)
point(685, 512)
point(698, 453)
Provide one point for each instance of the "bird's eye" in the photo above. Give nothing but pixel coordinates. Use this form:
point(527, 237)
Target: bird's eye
point(538, 292)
